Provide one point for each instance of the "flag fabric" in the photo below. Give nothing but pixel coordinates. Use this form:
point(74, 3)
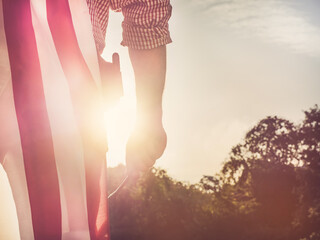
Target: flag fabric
point(52, 136)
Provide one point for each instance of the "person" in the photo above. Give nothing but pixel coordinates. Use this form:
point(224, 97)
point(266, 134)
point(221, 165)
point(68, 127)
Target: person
point(146, 33)
point(52, 139)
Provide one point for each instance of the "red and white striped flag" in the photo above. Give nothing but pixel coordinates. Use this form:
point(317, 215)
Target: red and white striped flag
point(52, 138)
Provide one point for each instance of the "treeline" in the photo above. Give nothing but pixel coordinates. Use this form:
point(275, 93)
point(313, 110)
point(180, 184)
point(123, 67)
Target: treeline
point(268, 189)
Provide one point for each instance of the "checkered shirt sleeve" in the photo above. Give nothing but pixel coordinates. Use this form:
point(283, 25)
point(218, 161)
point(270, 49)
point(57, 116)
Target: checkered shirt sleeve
point(145, 24)
point(99, 13)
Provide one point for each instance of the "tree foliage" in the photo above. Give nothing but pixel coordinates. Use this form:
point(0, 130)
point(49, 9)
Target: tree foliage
point(269, 188)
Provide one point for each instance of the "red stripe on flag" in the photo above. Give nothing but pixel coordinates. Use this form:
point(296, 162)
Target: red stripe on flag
point(34, 127)
point(83, 92)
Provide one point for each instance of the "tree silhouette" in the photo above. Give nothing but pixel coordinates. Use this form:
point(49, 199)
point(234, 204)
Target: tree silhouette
point(267, 189)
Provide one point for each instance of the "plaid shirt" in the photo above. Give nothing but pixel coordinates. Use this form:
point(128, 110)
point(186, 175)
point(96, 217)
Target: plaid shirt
point(145, 24)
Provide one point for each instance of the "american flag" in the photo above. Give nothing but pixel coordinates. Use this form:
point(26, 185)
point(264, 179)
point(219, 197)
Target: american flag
point(52, 130)
point(52, 136)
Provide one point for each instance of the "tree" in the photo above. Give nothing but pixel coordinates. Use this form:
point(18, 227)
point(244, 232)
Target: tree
point(268, 189)
point(308, 214)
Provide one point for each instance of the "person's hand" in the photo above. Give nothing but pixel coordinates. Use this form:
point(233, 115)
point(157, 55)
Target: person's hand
point(111, 79)
point(145, 145)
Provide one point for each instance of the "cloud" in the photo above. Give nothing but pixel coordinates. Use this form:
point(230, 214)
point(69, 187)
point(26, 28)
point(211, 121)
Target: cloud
point(273, 21)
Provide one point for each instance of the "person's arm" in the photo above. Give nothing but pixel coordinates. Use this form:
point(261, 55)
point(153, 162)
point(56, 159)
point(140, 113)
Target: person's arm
point(148, 140)
point(146, 33)
point(150, 72)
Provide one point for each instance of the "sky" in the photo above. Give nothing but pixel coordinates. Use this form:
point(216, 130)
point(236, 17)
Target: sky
point(231, 64)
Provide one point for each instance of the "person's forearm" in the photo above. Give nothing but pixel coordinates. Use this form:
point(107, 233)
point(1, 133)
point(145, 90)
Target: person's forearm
point(150, 73)
point(148, 140)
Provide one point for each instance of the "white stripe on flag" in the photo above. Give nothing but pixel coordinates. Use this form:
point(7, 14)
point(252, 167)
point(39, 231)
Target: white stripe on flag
point(13, 164)
point(83, 28)
point(66, 137)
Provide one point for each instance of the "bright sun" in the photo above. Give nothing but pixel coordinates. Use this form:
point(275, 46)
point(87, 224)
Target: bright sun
point(121, 116)
point(119, 120)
